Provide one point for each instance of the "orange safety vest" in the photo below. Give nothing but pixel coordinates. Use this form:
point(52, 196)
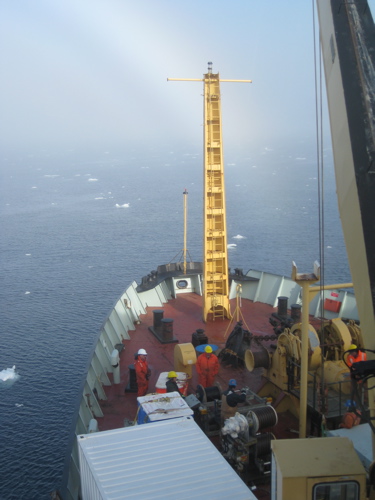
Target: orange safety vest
point(141, 370)
point(361, 356)
point(207, 368)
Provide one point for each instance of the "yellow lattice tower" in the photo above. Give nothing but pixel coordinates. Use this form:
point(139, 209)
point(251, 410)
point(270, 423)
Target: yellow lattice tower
point(215, 254)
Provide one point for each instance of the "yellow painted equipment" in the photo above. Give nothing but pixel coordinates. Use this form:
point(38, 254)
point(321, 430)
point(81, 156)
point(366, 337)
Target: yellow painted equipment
point(216, 274)
point(337, 374)
point(215, 253)
point(184, 358)
point(316, 468)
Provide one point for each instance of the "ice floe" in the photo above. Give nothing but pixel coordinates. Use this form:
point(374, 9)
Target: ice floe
point(239, 237)
point(8, 376)
point(125, 205)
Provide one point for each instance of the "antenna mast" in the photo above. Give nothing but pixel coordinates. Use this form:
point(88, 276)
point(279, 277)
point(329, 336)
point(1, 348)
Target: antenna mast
point(215, 253)
point(185, 193)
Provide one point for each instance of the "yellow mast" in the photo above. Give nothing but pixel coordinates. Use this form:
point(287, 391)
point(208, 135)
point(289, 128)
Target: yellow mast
point(215, 254)
point(215, 264)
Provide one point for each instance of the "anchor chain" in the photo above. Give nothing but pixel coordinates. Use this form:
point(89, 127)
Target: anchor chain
point(266, 338)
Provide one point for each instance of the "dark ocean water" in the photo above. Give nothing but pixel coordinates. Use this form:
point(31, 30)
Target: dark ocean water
point(68, 252)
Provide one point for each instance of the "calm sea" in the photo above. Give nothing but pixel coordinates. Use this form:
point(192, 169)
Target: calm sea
point(76, 231)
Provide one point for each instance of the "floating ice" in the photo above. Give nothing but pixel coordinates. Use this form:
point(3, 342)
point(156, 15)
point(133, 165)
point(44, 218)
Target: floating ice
point(27, 293)
point(8, 377)
point(125, 205)
point(239, 237)
point(92, 179)
point(231, 245)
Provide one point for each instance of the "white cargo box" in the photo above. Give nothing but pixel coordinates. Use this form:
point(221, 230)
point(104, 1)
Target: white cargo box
point(161, 460)
point(155, 407)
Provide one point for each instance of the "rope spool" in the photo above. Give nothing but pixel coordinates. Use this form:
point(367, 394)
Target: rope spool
point(263, 446)
point(315, 353)
point(261, 417)
point(258, 359)
point(207, 394)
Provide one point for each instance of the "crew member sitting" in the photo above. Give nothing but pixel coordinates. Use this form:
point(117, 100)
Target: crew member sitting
point(171, 384)
point(355, 355)
point(230, 399)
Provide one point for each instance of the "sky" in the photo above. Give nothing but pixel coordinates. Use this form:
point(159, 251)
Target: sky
point(93, 73)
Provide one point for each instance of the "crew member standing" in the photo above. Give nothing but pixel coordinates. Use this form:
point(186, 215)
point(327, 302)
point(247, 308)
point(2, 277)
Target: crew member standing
point(171, 384)
point(207, 367)
point(230, 399)
point(355, 355)
point(142, 372)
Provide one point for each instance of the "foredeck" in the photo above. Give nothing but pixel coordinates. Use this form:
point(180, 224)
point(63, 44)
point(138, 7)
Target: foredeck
point(121, 406)
point(186, 312)
point(127, 329)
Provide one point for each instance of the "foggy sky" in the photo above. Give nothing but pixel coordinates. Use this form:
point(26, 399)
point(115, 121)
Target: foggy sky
point(94, 73)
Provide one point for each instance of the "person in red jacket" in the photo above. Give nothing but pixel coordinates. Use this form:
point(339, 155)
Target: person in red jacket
point(207, 367)
point(355, 355)
point(142, 372)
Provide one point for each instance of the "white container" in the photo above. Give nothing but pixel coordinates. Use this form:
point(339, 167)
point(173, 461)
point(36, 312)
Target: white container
point(156, 407)
point(170, 459)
